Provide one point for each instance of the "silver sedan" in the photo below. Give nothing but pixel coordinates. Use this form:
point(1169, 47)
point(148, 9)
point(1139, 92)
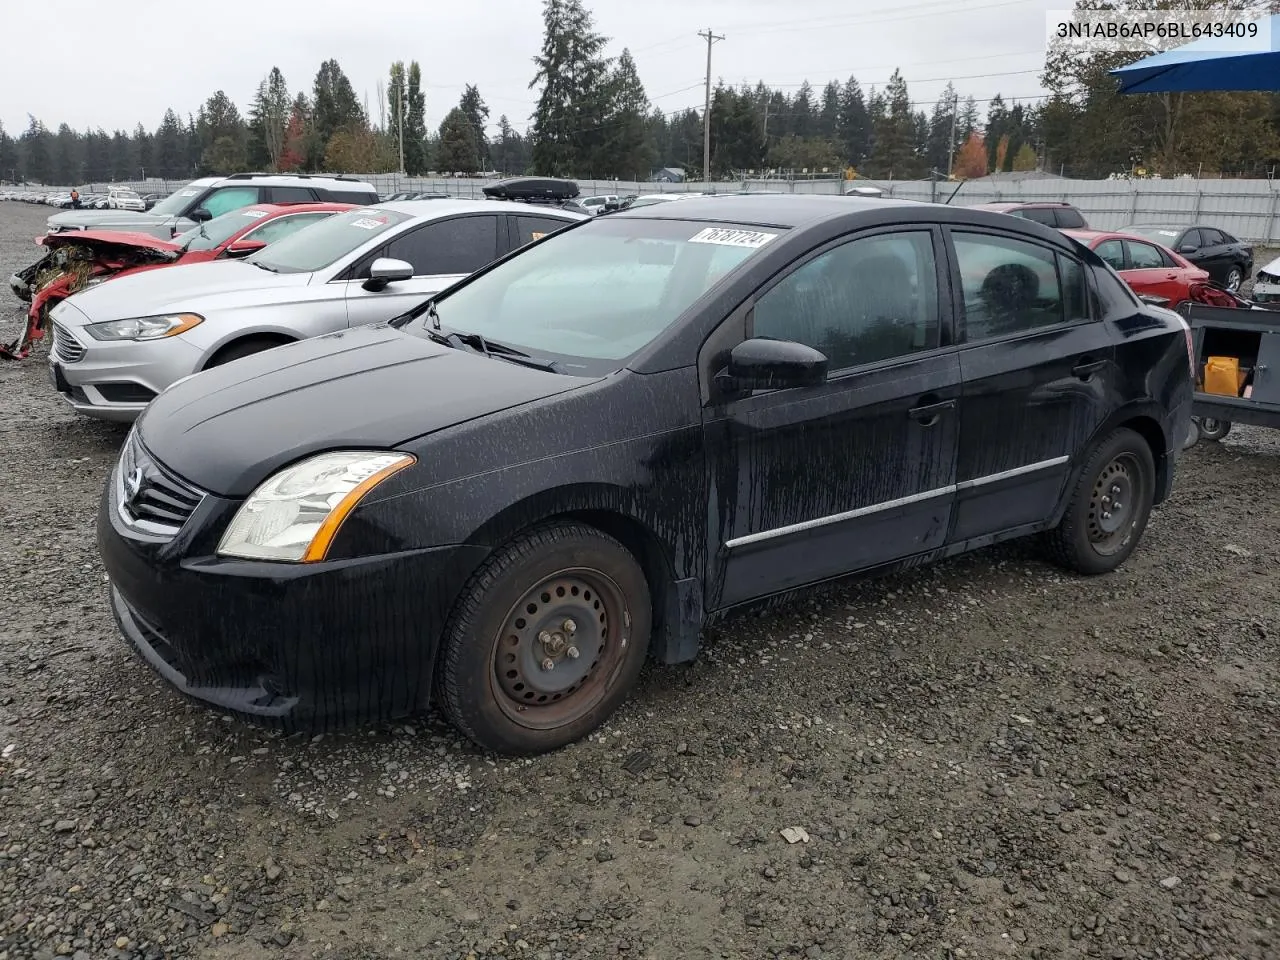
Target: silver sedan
point(118, 344)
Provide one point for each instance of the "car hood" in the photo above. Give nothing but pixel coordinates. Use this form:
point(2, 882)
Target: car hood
point(107, 218)
point(195, 287)
point(1272, 268)
point(229, 428)
point(108, 239)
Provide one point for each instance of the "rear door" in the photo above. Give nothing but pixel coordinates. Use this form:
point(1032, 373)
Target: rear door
point(1037, 367)
point(1149, 271)
point(442, 252)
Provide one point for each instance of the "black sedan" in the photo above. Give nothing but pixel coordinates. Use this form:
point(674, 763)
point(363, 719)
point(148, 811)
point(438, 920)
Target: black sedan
point(1227, 259)
point(507, 499)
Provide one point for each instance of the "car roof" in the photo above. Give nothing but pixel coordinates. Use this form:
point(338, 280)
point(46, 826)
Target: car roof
point(434, 209)
point(778, 209)
point(287, 179)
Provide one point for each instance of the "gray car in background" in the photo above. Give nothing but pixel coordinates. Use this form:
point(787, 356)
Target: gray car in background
point(117, 345)
point(211, 197)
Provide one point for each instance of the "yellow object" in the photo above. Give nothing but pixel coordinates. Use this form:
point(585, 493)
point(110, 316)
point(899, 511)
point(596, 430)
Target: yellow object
point(1222, 376)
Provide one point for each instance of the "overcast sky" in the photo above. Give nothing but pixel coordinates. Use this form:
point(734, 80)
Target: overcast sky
point(92, 64)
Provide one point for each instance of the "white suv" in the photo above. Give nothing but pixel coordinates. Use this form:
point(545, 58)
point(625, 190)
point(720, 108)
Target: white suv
point(213, 196)
point(122, 198)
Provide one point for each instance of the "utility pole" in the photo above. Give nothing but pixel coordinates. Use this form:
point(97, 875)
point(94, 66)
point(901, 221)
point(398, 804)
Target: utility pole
point(711, 38)
point(401, 97)
point(951, 144)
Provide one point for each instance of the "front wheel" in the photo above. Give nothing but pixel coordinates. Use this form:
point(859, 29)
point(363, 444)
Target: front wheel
point(1212, 428)
point(545, 641)
point(1235, 277)
point(1109, 506)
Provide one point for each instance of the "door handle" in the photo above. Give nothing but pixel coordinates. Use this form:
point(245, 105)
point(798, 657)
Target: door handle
point(1171, 276)
point(1086, 368)
point(926, 414)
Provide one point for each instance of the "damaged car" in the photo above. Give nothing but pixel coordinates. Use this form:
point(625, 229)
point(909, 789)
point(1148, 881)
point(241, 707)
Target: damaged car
point(77, 260)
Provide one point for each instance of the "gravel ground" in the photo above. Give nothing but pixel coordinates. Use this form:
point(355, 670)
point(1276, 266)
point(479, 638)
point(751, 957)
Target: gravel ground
point(984, 758)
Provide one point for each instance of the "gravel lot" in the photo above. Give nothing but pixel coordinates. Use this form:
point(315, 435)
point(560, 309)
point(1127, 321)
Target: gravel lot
point(984, 758)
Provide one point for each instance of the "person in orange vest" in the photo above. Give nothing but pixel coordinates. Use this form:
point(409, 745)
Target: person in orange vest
point(75, 199)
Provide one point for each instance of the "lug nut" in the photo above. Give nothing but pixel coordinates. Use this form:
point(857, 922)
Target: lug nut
point(570, 627)
point(548, 664)
point(544, 637)
point(572, 653)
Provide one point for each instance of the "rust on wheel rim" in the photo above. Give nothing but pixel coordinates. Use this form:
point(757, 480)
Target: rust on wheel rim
point(560, 647)
point(1113, 506)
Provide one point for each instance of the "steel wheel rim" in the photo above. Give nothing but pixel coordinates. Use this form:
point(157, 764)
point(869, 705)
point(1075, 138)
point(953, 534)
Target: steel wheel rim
point(576, 620)
point(1113, 504)
point(1210, 425)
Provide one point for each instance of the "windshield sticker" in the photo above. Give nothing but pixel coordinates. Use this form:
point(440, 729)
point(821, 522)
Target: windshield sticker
point(188, 193)
point(733, 238)
point(1167, 233)
point(369, 223)
point(255, 214)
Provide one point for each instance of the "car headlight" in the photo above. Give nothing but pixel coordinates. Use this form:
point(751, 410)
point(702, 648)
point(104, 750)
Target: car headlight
point(144, 328)
point(295, 514)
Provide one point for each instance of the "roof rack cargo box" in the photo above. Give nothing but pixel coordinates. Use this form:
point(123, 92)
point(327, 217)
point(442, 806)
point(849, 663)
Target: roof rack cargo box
point(532, 188)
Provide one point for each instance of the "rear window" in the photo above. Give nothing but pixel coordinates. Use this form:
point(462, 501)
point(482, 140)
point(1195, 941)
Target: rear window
point(362, 197)
point(1069, 218)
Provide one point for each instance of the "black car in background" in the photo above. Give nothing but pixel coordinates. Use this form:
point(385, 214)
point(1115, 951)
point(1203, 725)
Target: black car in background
point(1227, 259)
point(508, 498)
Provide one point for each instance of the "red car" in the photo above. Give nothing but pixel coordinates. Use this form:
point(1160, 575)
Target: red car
point(1150, 269)
point(80, 258)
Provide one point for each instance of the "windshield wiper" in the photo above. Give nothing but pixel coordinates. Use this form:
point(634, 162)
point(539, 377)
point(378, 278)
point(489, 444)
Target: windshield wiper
point(490, 348)
point(263, 266)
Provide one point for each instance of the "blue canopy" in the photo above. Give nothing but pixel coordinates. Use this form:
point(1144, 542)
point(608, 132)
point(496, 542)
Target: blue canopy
point(1205, 65)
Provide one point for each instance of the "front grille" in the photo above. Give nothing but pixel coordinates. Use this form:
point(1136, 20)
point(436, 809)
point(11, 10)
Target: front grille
point(150, 496)
point(65, 348)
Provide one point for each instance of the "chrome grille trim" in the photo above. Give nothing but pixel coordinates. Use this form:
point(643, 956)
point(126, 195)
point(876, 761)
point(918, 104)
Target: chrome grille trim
point(65, 347)
point(161, 503)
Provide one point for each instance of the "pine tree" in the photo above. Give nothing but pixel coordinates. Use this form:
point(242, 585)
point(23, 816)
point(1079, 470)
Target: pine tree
point(473, 107)
point(65, 156)
point(225, 136)
point(268, 118)
point(626, 152)
point(170, 147)
point(854, 124)
point(804, 123)
point(829, 114)
point(9, 162)
point(415, 124)
point(456, 151)
point(334, 105)
point(506, 147)
point(997, 127)
point(572, 70)
point(895, 154)
point(945, 119)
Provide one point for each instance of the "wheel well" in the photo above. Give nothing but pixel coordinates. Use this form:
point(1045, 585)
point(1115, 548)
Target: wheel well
point(273, 339)
point(1150, 431)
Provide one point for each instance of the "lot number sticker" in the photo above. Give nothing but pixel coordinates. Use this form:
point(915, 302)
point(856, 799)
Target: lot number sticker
point(255, 214)
point(368, 223)
point(732, 238)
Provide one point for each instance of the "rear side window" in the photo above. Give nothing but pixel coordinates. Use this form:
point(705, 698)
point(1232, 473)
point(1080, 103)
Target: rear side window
point(1039, 215)
point(364, 198)
point(1111, 251)
point(529, 229)
point(1210, 238)
point(460, 245)
point(226, 199)
point(1069, 218)
point(1009, 286)
point(292, 195)
point(1145, 256)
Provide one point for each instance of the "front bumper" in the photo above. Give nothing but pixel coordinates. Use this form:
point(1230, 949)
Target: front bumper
point(115, 380)
point(301, 647)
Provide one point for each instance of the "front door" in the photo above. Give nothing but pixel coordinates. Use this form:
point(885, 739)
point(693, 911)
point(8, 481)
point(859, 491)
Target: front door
point(1037, 370)
point(441, 252)
point(811, 483)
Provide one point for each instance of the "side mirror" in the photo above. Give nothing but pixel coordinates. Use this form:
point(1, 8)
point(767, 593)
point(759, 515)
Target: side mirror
point(764, 364)
point(200, 215)
point(385, 271)
point(242, 248)
point(1188, 248)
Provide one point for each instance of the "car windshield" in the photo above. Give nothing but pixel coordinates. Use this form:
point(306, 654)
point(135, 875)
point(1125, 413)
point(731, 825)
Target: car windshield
point(321, 244)
point(1165, 235)
point(593, 295)
point(175, 203)
point(220, 229)
point(127, 195)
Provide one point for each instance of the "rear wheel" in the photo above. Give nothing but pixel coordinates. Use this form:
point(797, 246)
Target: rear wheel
point(1235, 277)
point(545, 641)
point(1212, 428)
point(1109, 506)
point(243, 348)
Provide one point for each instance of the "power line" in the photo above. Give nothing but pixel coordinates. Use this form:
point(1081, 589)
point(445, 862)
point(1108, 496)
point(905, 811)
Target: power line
point(934, 8)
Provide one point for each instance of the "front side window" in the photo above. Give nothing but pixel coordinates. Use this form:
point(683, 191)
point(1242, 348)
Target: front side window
point(1145, 256)
point(594, 295)
point(529, 229)
point(214, 233)
point(331, 239)
point(229, 198)
point(460, 245)
point(281, 227)
point(862, 302)
point(1010, 286)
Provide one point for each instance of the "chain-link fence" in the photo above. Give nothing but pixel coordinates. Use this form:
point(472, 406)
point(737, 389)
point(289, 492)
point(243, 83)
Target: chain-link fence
point(1249, 209)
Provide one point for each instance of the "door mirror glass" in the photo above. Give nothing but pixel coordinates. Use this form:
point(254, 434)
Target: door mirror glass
point(1188, 248)
point(765, 364)
point(200, 215)
point(385, 270)
point(242, 248)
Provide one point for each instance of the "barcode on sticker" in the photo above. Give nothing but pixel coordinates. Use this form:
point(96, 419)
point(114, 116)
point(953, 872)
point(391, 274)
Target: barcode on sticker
point(255, 214)
point(732, 238)
point(367, 223)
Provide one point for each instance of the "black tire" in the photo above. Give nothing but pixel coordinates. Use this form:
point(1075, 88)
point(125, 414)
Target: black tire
point(1193, 434)
point(1091, 539)
point(520, 611)
point(1211, 428)
point(242, 348)
point(1235, 277)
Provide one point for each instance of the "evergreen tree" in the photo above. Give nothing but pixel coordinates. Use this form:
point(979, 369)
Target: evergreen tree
point(141, 152)
point(627, 152)
point(9, 163)
point(456, 151)
point(895, 153)
point(415, 124)
point(34, 148)
point(334, 105)
point(268, 118)
point(170, 147)
point(124, 165)
point(945, 120)
point(572, 71)
point(474, 109)
point(854, 124)
point(398, 109)
point(508, 149)
point(225, 136)
point(829, 115)
point(804, 122)
point(65, 156)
